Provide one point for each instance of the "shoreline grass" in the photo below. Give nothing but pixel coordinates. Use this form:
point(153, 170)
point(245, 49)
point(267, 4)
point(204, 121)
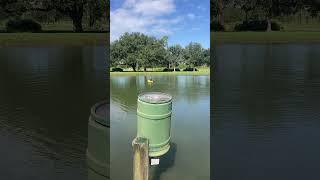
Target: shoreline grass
point(31, 39)
point(177, 73)
point(80, 39)
point(61, 25)
point(265, 37)
point(202, 70)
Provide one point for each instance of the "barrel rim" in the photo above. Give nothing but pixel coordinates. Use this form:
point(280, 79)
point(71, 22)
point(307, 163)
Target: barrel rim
point(155, 92)
point(97, 118)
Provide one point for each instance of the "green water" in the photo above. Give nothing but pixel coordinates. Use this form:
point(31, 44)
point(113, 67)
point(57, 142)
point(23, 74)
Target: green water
point(189, 156)
point(266, 112)
point(45, 98)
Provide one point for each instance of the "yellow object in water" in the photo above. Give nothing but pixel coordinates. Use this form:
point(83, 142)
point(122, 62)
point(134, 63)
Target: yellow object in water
point(150, 81)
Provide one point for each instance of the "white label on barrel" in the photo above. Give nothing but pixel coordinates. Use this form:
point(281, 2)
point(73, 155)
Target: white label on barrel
point(155, 162)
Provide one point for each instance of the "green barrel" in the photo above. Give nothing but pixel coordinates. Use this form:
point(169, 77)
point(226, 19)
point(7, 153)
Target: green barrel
point(154, 121)
point(98, 142)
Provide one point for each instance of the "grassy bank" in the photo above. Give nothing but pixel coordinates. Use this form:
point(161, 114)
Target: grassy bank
point(201, 71)
point(195, 73)
point(303, 27)
point(265, 37)
point(7, 39)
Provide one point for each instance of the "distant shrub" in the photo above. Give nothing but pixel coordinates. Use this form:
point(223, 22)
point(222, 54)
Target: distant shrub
point(170, 70)
point(167, 70)
point(217, 26)
point(117, 70)
point(252, 26)
point(23, 25)
point(275, 26)
point(190, 69)
point(257, 26)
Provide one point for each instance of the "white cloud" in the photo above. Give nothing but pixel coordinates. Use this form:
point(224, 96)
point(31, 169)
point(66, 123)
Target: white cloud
point(154, 7)
point(201, 8)
point(146, 16)
point(191, 16)
point(195, 29)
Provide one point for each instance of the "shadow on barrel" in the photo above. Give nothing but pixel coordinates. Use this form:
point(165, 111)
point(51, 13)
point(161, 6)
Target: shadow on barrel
point(98, 151)
point(166, 162)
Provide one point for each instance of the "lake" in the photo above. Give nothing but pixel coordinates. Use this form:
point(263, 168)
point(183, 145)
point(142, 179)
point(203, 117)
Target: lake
point(45, 98)
point(189, 155)
point(266, 115)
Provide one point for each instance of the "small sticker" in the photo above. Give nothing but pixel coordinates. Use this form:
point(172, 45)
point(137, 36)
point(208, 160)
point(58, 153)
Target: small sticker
point(155, 162)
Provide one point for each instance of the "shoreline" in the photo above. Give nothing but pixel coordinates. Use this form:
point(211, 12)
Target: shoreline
point(39, 39)
point(184, 73)
point(83, 39)
point(251, 37)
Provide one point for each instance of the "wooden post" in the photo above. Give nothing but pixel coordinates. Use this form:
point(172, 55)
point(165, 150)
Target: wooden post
point(140, 158)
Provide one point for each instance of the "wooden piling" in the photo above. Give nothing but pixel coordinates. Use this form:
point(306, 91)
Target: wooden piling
point(140, 158)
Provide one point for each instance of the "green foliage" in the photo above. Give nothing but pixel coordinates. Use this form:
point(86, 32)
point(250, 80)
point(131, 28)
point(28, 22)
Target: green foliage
point(23, 25)
point(258, 10)
point(167, 70)
point(138, 50)
point(246, 6)
point(194, 54)
point(275, 26)
point(256, 26)
point(12, 8)
point(175, 55)
point(190, 69)
point(206, 59)
point(117, 69)
point(73, 9)
point(96, 9)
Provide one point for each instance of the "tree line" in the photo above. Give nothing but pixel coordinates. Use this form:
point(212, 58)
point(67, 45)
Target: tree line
point(55, 10)
point(137, 50)
point(264, 9)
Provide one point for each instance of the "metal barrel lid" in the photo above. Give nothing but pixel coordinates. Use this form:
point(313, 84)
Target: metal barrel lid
point(155, 97)
point(99, 113)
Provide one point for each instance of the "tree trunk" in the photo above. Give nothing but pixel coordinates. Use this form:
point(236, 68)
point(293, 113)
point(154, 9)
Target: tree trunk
point(269, 25)
point(77, 24)
point(76, 15)
point(246, 16)
point(91, 14)
point(220, 12)
point(91, 20)
point(133, 67)
point(174, 68)
point(145, 69)
point(300, 16)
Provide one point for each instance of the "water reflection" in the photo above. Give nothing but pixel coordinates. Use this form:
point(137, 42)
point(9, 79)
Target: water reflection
point(93, 175)
point(166, 162)
point(191, 97)
point(98, 150)
point(265, 111)
point(45, 95)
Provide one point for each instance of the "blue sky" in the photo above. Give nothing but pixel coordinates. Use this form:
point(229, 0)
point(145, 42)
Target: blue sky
point(184, 21)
